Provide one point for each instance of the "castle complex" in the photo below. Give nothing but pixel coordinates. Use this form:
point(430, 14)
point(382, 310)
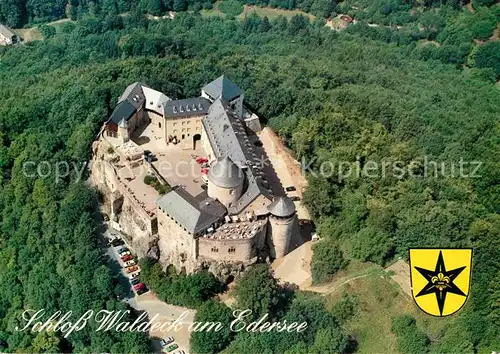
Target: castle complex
point(224, 210)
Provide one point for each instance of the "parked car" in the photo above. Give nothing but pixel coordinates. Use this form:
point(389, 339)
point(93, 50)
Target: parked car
point(204, 171)
point(131, 269)
point(122, 250)
point(135, 275)
point(172, 347)
point(204, 178)
point(290, 189)
point(129, 263)
point(117, 242)
point(127, 257)
point(139, 286)
point(126, 253)
point(201, 160)
point(135, 281)
point(165, 341)
point(295, 198)
point(141, 291)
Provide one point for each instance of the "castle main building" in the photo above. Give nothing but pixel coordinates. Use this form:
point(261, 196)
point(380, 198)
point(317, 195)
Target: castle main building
point(235, 218)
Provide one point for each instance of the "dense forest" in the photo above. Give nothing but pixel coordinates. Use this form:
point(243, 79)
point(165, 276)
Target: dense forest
point(367, 94)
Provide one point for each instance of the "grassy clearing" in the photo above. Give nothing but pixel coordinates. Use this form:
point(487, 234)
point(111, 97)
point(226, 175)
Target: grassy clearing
point(29, 34)
point(34, 34)
point(273, 13)
point(215, 12)
point(380, 300)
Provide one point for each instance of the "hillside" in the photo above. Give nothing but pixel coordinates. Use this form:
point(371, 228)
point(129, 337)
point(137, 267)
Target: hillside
point(346, 98)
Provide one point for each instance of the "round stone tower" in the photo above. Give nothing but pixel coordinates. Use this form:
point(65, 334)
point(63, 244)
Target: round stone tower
point(225, 182)
point(281, 225)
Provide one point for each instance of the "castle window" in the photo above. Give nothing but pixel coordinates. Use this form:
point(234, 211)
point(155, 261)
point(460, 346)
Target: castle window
point(231, 250)
point(215, 249)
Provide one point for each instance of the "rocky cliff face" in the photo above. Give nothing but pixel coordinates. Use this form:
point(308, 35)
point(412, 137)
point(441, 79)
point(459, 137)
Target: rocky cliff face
point(123, 211)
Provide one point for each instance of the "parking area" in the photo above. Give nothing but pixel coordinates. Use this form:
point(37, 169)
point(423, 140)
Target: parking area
point(163, 339)
point(167, 314)
point(123, 262)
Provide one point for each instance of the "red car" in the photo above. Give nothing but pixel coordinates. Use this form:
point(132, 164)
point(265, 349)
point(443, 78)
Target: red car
point(139, 286)
point(201, 160)
point(127, 257)
point(204, 171)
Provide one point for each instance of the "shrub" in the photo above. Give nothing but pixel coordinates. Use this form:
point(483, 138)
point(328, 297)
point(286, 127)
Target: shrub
point(372, 245)
point(327, 260)
point(410, 339)
point(231, 7)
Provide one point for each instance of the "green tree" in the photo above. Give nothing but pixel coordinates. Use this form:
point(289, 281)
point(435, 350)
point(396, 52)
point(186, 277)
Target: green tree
point(488, 56)
point(180, 5)
point(372, 245)
point(257, 290)
point(410, 339)
point(155, 7)
point(47, 31)
point(327, 260)
point(207, 340)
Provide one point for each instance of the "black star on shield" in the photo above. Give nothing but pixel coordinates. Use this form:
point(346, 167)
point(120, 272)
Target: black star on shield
point(440, 282)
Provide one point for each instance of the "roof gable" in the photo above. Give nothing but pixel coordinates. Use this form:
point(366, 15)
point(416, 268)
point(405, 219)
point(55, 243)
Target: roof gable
point(223, 88)
point(195, 214)
point(6, 32)
point(228, 137)
point(123, 111)
point(134, 95)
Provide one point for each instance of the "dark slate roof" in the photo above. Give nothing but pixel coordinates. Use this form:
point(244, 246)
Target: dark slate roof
point(134, 95)
point(123, 111)
point(6, 32)
point(282, 207)
point(223, 88)
point(195, 214)
point(187, 108)
point(224, 173)
point(228, 137)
